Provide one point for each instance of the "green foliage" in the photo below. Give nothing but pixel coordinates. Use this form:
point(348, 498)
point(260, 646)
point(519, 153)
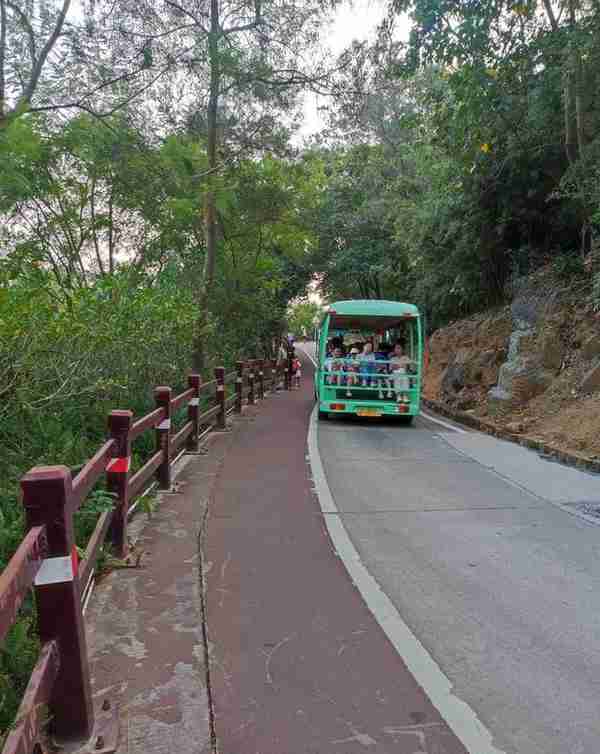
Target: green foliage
point(17, 659)
point(303, 317)
point(568, 266)
point(264, 258)
point(86, 518)
point(102, 256)
point(64, 367)
point(452, 174)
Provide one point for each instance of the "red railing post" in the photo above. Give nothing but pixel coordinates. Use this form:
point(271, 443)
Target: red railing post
point(261, 379)
point(117, 477)
point(194, 380)
point(251, 396)
point(162, 397)
point(239, 387)
point(220, 397)
point(46, 498)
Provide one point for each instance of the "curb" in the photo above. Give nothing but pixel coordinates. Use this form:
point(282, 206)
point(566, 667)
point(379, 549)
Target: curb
point(551, 451)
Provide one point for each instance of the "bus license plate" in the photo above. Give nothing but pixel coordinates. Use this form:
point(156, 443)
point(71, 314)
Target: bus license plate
point(368, 412)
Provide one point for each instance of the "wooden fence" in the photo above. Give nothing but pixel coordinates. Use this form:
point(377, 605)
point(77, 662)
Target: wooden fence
point(59, 688)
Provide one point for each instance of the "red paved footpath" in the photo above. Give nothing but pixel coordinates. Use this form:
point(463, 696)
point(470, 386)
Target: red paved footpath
point(299, 665)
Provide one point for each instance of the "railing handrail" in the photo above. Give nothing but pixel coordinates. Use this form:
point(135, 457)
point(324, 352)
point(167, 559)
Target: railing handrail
point(17, 578)
point(47, 555)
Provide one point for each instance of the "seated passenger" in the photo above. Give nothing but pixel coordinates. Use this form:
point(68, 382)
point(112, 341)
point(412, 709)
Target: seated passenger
point(352, 368)
point(383, 355)
point(366, 364)
point(400, 365)
point(334, 365)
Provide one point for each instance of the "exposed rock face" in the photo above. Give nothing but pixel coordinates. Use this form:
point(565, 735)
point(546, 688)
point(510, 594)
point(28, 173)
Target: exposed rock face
point(551, 350)
point(467, 399)
point(591, 381)
point(535, 352)
point(590, 347)
point(533, 366)
point(465, 358)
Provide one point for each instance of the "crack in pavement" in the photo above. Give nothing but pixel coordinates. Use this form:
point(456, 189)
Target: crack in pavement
point(202, 533)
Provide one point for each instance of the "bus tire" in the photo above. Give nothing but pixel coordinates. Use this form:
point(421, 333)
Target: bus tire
point(323, 415)
point(406, 420)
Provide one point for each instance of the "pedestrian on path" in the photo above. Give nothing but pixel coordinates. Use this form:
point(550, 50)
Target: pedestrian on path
point(296, 372)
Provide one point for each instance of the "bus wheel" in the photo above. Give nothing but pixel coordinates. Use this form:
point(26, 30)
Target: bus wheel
point(406, 420)
point(323, 415)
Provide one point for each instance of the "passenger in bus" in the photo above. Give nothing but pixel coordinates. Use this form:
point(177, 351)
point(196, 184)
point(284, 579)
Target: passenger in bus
point(366, 364)
point(382, 356)
point(400, 365)
point(352, 369)
point(334, 365)
point(335, 342)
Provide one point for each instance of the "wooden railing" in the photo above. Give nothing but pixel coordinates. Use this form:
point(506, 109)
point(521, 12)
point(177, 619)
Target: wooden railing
point(59, 688)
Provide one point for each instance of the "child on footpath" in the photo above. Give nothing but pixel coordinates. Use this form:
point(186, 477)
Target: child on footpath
point(296, 372)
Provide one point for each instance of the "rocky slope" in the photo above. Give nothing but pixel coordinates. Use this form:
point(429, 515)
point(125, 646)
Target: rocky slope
point(532, 366)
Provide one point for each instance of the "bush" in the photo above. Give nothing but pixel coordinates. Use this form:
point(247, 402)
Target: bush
point(65, 362)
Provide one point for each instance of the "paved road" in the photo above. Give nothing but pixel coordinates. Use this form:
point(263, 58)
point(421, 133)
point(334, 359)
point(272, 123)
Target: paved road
point(473, 541)
point(298, 665)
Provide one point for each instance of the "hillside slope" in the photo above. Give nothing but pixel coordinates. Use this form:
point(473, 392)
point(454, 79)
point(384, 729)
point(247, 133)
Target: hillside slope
point(532, 366)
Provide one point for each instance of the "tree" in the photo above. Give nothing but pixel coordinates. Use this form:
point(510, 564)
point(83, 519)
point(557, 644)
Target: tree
point(518, 44)
point(52, 60)
point(303, 317)
point(21, 31)
point(250, 47)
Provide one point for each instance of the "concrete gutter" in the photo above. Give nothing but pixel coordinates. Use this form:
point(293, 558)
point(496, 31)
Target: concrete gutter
point(541, 446)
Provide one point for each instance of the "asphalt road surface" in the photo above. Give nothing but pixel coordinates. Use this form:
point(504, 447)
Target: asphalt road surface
point(478, 544)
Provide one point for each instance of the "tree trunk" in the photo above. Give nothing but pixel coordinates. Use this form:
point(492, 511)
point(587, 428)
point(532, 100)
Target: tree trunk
point(575, 65)
point(570, 140)
point(3, 23)
point(210, 220)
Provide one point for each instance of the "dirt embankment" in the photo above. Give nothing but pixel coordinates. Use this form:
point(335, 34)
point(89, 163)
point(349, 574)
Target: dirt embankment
point(532, 366)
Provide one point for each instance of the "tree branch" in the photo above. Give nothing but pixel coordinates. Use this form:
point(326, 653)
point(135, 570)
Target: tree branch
point(242, 27)
point(50, 42)
point(81, 105)
point(250, 25)
point(550, 14)
point(187, 13)
point(3, 21)
point(28, 28)
point(94, 227)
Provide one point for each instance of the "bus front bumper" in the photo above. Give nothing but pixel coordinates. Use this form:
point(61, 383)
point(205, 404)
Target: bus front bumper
point(364, 408)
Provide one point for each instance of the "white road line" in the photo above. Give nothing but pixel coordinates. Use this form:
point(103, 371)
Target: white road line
point(463, 721)
point(307, 354)
point(431, 418)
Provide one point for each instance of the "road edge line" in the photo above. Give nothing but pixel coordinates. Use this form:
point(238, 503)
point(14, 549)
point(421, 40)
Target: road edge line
point(461, 719)
point(427, 415)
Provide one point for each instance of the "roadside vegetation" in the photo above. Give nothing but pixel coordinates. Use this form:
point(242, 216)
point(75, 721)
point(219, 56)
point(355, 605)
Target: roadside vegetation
point(157, 213)
point(465, 158)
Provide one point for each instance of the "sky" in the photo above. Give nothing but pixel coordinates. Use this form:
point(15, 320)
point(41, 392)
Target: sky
point(353, 19)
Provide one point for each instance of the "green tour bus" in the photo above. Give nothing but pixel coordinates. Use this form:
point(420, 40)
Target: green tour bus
point(369, 359)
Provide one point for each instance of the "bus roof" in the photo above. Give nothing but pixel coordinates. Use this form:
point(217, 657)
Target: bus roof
point(373, 308)
point(368, 313)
